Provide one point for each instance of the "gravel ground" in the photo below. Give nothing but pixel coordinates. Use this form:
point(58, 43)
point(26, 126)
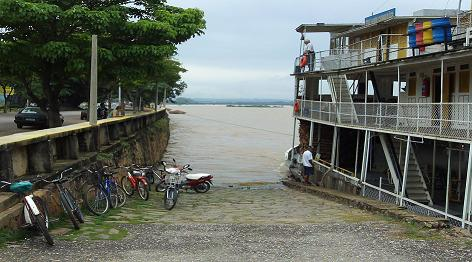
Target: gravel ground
point(328, 242)
point(241, 225)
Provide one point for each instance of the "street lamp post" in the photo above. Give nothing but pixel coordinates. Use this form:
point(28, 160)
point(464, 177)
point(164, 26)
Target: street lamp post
point(93, 84)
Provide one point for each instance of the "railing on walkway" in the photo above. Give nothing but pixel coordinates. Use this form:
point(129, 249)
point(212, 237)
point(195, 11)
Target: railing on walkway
point(375, 49)
point(447, 120)
point(384, 195)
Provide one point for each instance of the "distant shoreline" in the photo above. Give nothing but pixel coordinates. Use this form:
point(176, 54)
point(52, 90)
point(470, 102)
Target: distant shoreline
point(233, 102)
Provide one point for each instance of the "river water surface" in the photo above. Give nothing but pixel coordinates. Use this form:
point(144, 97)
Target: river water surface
point(235, 144)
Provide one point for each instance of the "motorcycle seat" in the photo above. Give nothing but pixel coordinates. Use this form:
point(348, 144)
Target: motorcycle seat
point(172, 170)
point(196, 176)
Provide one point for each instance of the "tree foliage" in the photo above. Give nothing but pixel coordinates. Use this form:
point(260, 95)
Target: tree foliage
point(45, 45)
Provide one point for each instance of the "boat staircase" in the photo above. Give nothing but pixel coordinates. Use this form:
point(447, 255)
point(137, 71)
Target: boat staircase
point(346, 112)
point(392, 160)
point(416, 188)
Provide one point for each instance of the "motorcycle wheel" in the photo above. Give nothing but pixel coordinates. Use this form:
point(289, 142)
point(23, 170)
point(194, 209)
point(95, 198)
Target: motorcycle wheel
point(202, 188)
point(170, 198)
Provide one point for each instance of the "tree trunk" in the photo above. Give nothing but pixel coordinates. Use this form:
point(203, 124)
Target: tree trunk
point(5, 100)
point(54, 119)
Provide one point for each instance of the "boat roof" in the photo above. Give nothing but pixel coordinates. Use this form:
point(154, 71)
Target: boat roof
point(325, 28)
point(359, 28)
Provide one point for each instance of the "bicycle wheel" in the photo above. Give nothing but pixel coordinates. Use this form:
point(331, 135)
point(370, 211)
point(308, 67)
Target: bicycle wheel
point(127, 186)
point(42, 219)
point(143, 190)
point(112, 197)
point(75, 207)
point(150, 178)
point(170, 198)
point(67, 207)
point(121, 196)
point(161, 186)
point(96, 200)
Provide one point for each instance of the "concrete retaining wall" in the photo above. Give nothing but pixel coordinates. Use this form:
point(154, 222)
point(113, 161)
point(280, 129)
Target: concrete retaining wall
point(45, 151)
point(140, 139)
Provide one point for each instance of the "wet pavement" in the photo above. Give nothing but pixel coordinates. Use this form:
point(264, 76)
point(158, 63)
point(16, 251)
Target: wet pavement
point(261, 223)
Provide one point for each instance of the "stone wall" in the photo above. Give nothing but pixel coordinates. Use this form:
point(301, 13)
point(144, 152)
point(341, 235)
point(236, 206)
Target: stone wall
point(140, 139)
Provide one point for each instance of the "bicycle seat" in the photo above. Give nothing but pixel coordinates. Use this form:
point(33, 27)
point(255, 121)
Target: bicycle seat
point(21, 187)
point(136, 173)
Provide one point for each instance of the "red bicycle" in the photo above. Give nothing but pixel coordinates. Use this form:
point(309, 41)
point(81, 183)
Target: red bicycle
point(135, 180)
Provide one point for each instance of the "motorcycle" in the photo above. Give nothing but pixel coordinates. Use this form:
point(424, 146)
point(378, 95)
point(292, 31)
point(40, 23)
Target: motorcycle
point(199, 182)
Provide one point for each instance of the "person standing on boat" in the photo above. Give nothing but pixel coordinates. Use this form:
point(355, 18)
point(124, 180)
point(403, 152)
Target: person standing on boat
point(310, 53)
point(308, 164)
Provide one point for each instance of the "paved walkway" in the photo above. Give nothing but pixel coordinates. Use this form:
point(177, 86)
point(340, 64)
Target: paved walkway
point(238, 224)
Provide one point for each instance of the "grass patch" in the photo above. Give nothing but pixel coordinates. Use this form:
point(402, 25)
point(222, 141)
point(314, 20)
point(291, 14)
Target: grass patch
point(104, 156)
point(416, 232)
point(97, 227)
point(7, 236)
point(161, 124)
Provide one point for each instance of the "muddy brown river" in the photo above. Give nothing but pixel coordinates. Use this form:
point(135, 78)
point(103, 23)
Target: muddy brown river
point(235, 144)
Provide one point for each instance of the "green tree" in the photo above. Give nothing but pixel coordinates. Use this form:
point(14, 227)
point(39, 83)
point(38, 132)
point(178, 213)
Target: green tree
point(46, 43)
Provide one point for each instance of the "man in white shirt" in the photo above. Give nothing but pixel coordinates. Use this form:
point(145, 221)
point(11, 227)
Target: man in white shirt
point(310, 53)
point(308, 164)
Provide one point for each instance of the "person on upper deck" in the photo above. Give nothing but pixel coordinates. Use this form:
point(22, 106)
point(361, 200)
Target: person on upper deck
point(310, 53)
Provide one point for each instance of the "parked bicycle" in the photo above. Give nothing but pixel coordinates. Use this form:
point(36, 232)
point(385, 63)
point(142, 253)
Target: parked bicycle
point(69, 204)
point(34, 211)
point(154, 176)
point(105, 194)
point(135, 181)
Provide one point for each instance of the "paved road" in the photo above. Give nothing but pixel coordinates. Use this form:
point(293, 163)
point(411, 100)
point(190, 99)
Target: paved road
point(266, 224)
point(8, 127)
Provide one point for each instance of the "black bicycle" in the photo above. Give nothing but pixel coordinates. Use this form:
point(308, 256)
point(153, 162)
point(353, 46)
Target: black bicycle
point(68, 202)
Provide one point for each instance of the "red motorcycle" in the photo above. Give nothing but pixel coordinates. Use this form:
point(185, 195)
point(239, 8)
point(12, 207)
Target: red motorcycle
point(200, 182)
point(135, 180)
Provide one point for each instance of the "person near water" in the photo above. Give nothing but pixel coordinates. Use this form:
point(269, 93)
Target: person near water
point(308, 164)
point(310, 52)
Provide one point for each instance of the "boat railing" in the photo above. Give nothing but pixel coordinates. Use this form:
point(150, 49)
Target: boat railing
point(447, 120)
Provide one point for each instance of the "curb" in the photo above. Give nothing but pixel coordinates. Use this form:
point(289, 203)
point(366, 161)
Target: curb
point(371, 205)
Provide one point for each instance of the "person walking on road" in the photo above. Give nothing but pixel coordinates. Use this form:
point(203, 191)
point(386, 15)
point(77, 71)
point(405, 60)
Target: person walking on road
point(308, 164)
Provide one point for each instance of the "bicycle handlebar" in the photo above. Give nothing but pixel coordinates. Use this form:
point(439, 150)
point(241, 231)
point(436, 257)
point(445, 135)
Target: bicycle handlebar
point(58, 179)
point(5, 184)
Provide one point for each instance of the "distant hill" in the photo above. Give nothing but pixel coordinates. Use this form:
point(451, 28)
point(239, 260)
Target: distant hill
point(221, 101)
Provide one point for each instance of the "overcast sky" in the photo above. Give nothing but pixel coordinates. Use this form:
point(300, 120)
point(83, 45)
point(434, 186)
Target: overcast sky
point(249, 46)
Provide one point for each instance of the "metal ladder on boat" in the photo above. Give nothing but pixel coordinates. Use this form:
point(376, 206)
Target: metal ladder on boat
point(346, 111)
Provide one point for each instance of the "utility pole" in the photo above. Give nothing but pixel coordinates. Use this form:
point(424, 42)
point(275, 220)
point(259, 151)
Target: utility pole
point(165, 97)
point(93, 83)
point(157, 98)
point(119, 93)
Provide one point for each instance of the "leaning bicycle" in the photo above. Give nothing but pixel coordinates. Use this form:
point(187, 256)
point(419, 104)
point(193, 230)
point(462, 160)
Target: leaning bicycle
point(35, 210)
point(104, 194)
point(68, 203)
